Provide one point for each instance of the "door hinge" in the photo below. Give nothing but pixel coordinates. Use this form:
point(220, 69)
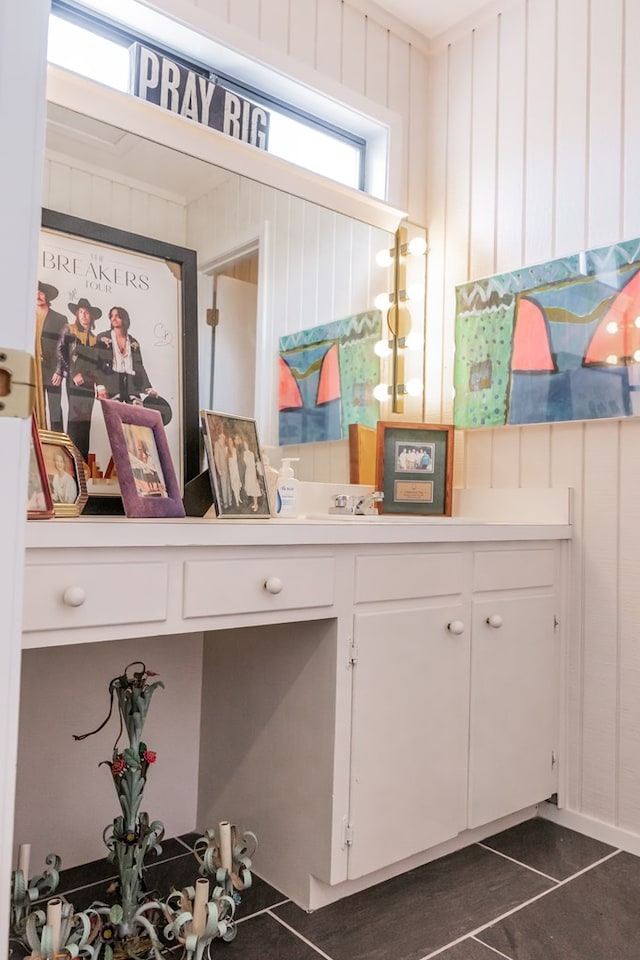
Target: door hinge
point(554, 758)
point(17, 383)
point(212, 316)
point(556, 622)
point(348, 834)
point(353, 653)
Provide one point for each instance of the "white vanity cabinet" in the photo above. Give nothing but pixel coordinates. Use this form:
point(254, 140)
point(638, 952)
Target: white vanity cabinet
point(455, 694)
point(410, 705)
point(369, 692)
point(515, 680)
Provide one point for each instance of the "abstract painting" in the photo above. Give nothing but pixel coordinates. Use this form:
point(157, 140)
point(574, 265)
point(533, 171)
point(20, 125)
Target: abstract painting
point(326, 379)
point(555, 342)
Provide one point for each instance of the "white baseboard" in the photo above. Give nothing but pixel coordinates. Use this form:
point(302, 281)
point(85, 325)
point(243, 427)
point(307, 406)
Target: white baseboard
point(597, 829)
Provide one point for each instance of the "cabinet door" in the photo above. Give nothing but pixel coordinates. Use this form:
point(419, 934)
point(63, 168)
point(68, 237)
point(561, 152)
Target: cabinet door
point(514, 688)
point(409, 733)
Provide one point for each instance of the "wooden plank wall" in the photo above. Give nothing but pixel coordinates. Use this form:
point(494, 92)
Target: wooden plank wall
point(533, 145)
point(341, 41)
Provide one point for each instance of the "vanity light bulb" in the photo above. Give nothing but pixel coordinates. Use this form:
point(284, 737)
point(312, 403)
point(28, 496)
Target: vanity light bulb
point(636, 356)
point(414, 387)
point(636, 322)
point(612, 327)
point(384, 258)
point(381, 392)
point(413, 341)
point(382, 349)
point(417, 246)
point(415, 291)
point(612, 359)
point(382, 301)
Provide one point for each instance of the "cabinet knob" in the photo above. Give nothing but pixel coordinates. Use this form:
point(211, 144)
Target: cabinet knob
point(74, 596)
point(273, 585)
point(456, 626)
point(495, 621)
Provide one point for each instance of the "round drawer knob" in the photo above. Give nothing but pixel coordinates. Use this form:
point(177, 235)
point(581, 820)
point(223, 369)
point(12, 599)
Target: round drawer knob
point(273, 585)
point(495, 621)
point(456, 626)
point(74, 596)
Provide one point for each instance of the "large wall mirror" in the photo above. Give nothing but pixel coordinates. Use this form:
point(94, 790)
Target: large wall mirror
point(270, 262)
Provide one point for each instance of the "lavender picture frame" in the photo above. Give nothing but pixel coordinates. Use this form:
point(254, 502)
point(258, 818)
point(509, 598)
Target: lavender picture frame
point(146, 475)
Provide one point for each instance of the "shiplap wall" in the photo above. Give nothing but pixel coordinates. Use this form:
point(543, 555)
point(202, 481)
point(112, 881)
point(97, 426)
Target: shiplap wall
point(354, 46)
point(533, 155)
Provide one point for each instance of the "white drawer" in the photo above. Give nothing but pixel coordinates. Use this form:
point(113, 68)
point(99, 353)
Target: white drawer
point(219, 587)
point(409, 576)
point(513, 569)
point(94, 594)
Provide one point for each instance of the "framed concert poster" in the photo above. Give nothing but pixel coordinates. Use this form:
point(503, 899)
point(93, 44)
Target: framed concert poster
point(116, 319)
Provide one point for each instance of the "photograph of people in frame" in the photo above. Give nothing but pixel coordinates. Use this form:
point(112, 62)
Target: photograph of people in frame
point(142, 459)
point(61, 473)
point(145, 460)
point(235, 465)
point(414, 457)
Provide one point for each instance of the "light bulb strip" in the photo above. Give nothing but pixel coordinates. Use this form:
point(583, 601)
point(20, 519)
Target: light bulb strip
point(400, 294)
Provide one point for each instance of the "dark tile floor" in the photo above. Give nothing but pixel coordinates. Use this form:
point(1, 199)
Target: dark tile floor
point(535, 892)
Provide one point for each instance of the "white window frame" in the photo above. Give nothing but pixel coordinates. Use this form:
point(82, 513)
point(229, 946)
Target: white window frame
point(277, 75)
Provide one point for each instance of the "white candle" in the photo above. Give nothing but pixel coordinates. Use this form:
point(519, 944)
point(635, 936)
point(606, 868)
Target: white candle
point(24, 855)
point(54, 915)
point(225, 845)
point(201, 899)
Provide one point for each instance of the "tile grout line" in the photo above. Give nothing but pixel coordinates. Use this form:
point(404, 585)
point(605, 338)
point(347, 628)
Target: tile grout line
point(259, 913)
point(520, 906)
point(488, 946)
point(309, 943)
point(506, 856)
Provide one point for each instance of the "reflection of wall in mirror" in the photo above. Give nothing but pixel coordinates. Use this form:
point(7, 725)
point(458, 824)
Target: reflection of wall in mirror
point(316, 266)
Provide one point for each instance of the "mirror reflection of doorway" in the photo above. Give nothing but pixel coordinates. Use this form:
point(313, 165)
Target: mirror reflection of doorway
point(233, 341)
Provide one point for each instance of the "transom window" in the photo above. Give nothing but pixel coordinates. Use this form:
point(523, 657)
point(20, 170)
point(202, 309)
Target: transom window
point(89, 43)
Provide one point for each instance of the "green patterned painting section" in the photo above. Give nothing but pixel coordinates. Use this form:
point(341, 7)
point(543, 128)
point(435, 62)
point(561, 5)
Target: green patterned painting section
point(483, 337)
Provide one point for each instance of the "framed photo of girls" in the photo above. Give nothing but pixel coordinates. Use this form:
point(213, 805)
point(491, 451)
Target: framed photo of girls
point(236, 469)
point(116, 319)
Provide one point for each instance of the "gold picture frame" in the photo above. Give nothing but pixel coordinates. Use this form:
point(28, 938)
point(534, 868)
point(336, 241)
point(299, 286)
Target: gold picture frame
point(64, 472)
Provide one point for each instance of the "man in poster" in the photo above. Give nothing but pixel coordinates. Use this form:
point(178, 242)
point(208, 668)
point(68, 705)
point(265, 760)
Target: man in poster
point(75, 357)
point(49, 327)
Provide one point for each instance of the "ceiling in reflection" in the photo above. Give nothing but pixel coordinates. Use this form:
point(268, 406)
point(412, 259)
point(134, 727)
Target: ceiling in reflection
point(101, 145)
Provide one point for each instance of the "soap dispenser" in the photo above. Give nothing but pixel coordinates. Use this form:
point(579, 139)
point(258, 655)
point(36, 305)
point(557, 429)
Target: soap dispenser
point(287, 490)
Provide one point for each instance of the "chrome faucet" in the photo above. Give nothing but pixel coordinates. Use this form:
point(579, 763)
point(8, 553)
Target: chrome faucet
point(359, 506)
point(363, 504)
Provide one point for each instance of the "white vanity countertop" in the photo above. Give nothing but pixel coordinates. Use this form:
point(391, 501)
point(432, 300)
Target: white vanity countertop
point(109, 532)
